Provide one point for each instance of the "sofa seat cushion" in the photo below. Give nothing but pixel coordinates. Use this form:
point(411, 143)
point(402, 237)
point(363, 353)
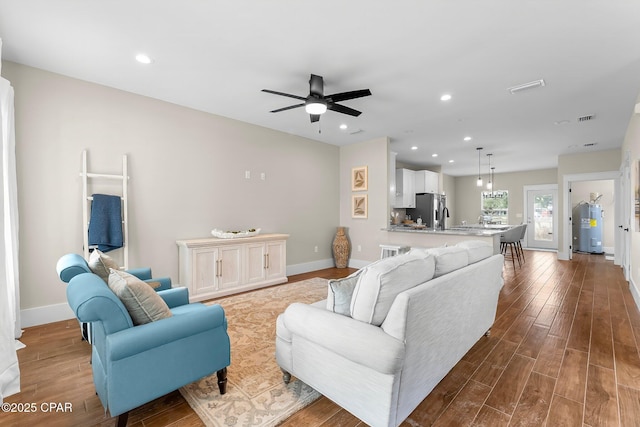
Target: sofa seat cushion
point(380, 282)
point(141, 301)
point(477, 250)
point(449, 259)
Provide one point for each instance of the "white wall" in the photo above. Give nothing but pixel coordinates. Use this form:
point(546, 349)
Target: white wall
point(365, 233)
point(631, 146)
point(187, 171)
point(468, 193)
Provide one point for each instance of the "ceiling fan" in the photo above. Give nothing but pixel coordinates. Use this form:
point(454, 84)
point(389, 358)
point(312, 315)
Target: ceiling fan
point(316, 103)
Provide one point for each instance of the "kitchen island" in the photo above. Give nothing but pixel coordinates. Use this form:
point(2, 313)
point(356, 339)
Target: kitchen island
point(403, 235)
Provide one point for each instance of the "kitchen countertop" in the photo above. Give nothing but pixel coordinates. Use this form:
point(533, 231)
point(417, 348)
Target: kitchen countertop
point(455, 231)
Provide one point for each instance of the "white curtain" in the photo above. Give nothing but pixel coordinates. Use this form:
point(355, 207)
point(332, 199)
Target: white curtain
point(9, 291)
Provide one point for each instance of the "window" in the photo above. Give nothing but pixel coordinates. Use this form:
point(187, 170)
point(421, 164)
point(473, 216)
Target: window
point(495, 207)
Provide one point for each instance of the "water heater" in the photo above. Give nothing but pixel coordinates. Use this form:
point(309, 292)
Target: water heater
point(587, 228)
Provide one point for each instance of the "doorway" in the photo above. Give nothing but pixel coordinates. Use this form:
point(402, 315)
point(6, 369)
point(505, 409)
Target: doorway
point(541, 216)
point(566, 250)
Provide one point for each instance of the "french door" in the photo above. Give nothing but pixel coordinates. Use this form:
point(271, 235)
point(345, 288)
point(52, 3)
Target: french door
point(542, 221)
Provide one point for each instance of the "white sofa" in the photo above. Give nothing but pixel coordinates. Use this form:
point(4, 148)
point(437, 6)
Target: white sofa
point(388, 334)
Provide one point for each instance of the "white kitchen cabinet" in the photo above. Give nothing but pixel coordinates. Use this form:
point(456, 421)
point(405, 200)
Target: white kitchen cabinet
point(405, 189)
point(214, 267)
point(427, 182)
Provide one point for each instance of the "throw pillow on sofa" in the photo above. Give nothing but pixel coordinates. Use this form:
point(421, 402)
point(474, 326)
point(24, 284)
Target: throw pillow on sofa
point(141, 301)
point(380, 282)
point(100, 264)
point(340, 293)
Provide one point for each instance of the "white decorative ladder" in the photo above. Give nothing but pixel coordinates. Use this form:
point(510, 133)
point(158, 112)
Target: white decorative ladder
point(86, 204)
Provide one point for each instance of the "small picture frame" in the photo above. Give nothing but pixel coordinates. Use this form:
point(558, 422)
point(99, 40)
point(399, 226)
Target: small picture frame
point(359, 204)
point(359, 179)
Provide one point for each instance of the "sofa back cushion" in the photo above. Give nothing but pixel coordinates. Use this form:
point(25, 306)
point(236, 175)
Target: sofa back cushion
point(449, 259)
point(380, 282)
point(477, 250)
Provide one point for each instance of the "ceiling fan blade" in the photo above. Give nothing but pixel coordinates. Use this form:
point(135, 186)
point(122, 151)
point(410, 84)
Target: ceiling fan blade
point(314, 117)
point(316, 85)
point(284, 94)
point(287, 108)
point(343, 96)
point(342, 109)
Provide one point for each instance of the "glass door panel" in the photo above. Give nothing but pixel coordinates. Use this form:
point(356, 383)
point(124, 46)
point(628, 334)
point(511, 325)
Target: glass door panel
point(541, 222)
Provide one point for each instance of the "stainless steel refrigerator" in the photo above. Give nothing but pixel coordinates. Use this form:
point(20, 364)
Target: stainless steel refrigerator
point(587, 228)
point(432, 208)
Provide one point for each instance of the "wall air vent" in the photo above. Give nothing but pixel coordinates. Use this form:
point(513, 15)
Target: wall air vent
point(586, 118)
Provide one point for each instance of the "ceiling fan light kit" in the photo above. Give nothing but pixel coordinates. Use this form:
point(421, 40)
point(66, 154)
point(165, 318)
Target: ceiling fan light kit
point(315, 107)
point(316, 103)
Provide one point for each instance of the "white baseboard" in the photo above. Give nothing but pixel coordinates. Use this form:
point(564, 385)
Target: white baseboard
point(609, 250)
point(357, 263)
point(309, 266)
point(45, 314)
point(635, 292)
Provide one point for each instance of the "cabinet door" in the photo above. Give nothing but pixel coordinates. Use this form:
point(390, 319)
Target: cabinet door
point(204, 273)
point(431, 182)
point(427, 182)
point(256, 262)
point(229, 266)
point(276, 259)
point(405, 188)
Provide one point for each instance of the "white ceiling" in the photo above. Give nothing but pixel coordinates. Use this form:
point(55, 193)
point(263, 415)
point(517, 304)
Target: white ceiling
point(216, 56)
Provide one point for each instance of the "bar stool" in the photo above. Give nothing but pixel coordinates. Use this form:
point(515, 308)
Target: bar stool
point(392, 250)
point(510, 239)
point(519, 243)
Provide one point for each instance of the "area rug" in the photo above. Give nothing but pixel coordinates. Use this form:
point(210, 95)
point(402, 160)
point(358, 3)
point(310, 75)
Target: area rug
point(256, 394)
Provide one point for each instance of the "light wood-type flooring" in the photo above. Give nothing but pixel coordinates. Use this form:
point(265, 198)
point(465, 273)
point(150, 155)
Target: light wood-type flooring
point(564, 351)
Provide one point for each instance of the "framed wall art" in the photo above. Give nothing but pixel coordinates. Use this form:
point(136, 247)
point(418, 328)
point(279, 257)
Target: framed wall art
point(359, 206)
point(359, 179)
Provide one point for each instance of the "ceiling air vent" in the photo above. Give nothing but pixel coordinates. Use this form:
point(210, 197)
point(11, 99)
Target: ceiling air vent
point(586, 118)
point(590, 144)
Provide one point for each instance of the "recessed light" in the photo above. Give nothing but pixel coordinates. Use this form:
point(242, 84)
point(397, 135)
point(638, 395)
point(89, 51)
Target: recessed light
point(343, 126)
point(445, 97)
point(143, 58)
point(467, 138)
point(414, 148)
point(434, 155)
point(451, 161)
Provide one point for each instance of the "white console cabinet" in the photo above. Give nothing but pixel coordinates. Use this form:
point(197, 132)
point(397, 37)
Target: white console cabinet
point(214, 267)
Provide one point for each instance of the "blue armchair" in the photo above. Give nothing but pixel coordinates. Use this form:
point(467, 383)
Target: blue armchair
point(133, 365)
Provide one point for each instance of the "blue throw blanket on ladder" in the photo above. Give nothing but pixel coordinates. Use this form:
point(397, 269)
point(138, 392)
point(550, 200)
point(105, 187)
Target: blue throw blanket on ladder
point(105, 224)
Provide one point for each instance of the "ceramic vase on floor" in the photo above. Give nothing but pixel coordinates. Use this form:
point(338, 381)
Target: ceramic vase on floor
point(341, 248)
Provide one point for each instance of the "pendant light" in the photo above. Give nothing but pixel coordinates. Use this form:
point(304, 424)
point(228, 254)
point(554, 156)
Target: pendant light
point(479, 182)
point(493, 180)
point(490, 183)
